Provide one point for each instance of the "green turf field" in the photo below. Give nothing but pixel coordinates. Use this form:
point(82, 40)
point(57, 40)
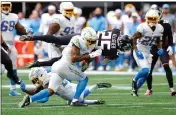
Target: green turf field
point(118, 100)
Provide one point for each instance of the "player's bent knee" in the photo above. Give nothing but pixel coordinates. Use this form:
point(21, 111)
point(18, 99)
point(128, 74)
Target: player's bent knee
point(145, 71)
point(165, 65)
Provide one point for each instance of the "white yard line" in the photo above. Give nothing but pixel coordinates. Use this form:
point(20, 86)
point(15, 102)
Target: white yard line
point(106, 72)
point(123, 105)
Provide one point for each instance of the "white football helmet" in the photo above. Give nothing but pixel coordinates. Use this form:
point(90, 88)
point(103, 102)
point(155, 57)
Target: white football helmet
point(152, 18)
point(38, 75)
point(6, 7)
point(89, 35)
point(66, 8)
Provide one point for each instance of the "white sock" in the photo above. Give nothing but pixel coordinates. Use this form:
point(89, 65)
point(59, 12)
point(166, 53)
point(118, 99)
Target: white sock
point(92, 88)
point(13, 87)
point(90, 101)
point(74, 100)
point(30, 100)
point(172, 89)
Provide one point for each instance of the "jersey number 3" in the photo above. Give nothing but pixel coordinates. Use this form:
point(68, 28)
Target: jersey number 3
point(7, 26)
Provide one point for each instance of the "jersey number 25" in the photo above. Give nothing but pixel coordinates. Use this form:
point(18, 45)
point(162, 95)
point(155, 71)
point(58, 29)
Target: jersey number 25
point(7, 26)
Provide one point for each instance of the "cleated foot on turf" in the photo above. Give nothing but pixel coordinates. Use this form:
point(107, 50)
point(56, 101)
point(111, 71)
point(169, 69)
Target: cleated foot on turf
point(173, 93)
point(134, 93)
point(99, 102)
point(13, 92)
point(24, 102)
point(77, 103)
point(104, 85)
point(25, 38)
point(148, 92)
point(31, 65)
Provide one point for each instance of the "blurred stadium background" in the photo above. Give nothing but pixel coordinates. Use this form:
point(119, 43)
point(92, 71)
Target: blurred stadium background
point(29, 14)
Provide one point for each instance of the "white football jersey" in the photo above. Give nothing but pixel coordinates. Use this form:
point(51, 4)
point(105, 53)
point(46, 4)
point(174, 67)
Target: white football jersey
point(79, 24)
point(78, 42)
point(45, 22)
point(66, 25)
point(8, 23)
point(149, 37)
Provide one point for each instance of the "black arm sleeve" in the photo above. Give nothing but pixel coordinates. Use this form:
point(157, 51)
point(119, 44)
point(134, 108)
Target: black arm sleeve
point(60, 40)
point(170, 37)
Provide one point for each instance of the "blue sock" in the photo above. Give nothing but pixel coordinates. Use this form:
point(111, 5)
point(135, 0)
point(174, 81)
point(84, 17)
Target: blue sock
point(44, 100)
point(80, 88)
point(12, 82)
point(140, 82)
point(40, 95)
point(142, 73)
point(86, 93)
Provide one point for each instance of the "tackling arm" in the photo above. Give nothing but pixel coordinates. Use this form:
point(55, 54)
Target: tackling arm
point(134, 39)
point(76, 56)
point(34, 91)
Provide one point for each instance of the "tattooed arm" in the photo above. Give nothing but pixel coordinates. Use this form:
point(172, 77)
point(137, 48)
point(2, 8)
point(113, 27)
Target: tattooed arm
point(136, 36)
point(76, 56)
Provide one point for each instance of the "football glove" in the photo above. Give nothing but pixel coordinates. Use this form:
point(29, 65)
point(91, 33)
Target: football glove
point(170, 50)
point(95, 53)
point(29, 31)
point(160, 52)
point(23, 86)
point(139, 54)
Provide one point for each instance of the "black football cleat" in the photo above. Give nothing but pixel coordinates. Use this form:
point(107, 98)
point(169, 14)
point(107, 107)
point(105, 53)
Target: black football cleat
point(26, 38)
point(104, 85)
point(77, 103)
point(24, 102)
point(134, 93)
point(100, 102)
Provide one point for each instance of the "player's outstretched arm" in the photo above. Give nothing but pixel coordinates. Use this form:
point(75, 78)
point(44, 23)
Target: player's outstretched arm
point(30, 91)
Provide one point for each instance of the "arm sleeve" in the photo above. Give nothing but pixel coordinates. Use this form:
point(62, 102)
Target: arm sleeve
point(170, 37)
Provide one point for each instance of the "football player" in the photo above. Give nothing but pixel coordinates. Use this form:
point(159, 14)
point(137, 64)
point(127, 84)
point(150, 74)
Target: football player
point(149, 33)
point(167, 47)
point(40, 78)
point(60, 25)
point(7, 62)
point(80, 48)
point(80, 21)
point(10, 22)
point(111, 42)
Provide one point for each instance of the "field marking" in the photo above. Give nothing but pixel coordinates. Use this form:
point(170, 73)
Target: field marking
point(123, 105)
point(169, 108)
point(106, 72)
point(120, 86)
